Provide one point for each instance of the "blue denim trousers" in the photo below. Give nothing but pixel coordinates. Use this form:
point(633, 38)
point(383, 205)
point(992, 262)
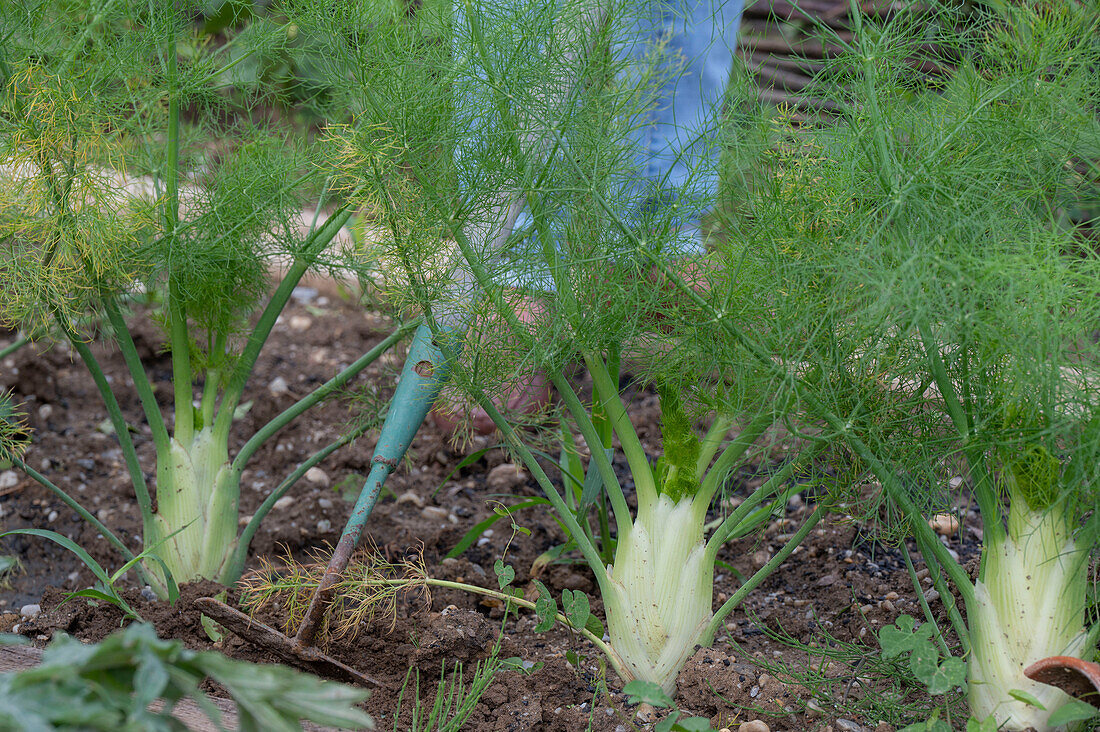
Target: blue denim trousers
point(687, 46)
point(677, 144)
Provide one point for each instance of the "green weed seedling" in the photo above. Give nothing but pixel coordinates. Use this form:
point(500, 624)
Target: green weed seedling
point(106, 589)
point(454, 700)
point(647, 692)
point(938, 674)
point(10, 566)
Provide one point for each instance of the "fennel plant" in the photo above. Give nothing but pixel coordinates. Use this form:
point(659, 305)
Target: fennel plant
point(553, 102)
point(93, 95)
point(921, 287)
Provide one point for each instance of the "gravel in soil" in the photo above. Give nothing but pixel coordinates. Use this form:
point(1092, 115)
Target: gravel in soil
point(797, 655)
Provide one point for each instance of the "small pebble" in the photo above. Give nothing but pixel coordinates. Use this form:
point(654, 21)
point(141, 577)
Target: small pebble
point(30, 611)
point(434, 513)
point(931, 596)
point(955, 482)
point(317, 476)
point(51, 517)
point(45, 411)
point(847, 725)
point(411, 497)
point(645, 714)
point(884, 727)
point(324, 526)
point(148, 594)
point(284, 503)
point(506, 476)
point(944, 524)
point(754, 725)
point(300, 322)
point(760, 558)
point(278, 386)
point(891, 596)
point(304, 294)
point(324, 503)
point(8, 479)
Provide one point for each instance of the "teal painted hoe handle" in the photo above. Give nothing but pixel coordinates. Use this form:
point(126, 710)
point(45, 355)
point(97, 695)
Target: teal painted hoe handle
point(426, 370)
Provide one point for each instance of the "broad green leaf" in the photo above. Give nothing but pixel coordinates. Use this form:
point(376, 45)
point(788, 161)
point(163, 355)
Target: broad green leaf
point(989, 724)
point(595, 626)
point(668, 724)
point(949, 674)
point(576, 607)
point(694, 724)
point(924, 659)
point(546, 607)
point(639, 691)
point(1029, 699)
point(903, 637)
point(1073, 711)
point(505, 573)
point(150, 680)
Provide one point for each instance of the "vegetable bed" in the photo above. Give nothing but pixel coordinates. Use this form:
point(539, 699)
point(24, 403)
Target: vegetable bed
point(840, 588)
point(826, 446)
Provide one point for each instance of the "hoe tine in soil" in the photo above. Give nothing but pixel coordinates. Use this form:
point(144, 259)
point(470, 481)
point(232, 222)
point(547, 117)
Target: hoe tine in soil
point(1078, 678)
point(426, 370)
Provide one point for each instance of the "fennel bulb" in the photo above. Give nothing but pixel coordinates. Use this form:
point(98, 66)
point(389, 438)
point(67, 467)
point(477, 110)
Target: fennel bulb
point(661, 588)
point(1031, 602)
point(1030, 606)
point(198, 492)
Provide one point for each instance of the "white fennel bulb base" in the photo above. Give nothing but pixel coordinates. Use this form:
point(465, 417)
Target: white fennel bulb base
point(662, 589)
point(1030, 606)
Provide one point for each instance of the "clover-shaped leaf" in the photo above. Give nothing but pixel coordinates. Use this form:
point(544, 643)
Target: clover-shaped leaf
point(925, 664)
point(948, 675)
point(904, 637)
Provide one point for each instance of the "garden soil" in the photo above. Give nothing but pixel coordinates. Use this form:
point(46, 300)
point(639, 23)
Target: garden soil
point(798, 655)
